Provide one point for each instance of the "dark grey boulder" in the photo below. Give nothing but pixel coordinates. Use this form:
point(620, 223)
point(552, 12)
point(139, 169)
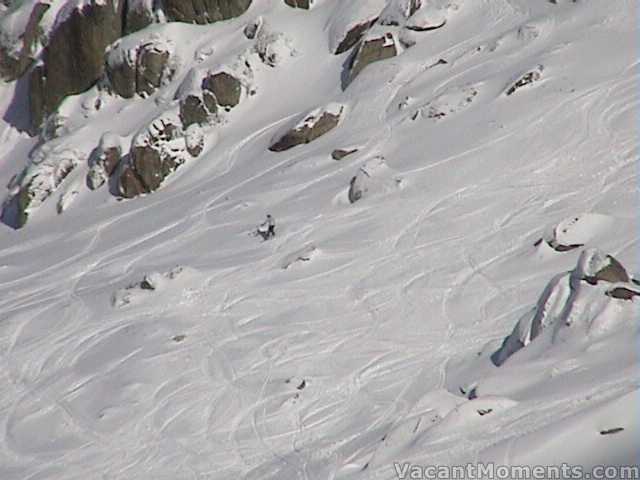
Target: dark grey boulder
point(340, 153)
point(193, 110)
point(226, 88)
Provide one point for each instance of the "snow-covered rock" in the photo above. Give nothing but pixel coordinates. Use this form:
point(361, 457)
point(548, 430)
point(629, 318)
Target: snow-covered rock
point(140, 64)
point(351, 22)
point(38, 181)
point(526, 80)
point(104, 160)
point(156, 152)
point(315, 124)
point(573, 305)
point(19, 30)
point(373, 178)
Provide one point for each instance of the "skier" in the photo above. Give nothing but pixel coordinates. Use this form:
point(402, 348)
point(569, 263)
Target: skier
point(271, 224)
point(267, 229)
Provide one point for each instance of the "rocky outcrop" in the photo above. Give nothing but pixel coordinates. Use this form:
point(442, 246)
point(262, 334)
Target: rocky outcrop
point(139, 65)
point(579, 298)
point(104, 160)
point(202, 95)
point(74, 58)
point(16, 58)
point(314, 125)
point(354, 35)
point(372, 49)
point(305, 4)
point(203, 11)
point(607, 269)
point(155, 153)
point(37, 182)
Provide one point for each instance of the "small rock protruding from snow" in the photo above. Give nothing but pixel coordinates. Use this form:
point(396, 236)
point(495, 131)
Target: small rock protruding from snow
point(152, 282)
point(315, 124)
point(340, 153)
point(374, 177)
point(575, 232)
point(304, 254)
point(526, 79)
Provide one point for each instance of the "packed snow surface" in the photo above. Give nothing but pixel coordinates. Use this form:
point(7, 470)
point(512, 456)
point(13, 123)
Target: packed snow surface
point(160, 338)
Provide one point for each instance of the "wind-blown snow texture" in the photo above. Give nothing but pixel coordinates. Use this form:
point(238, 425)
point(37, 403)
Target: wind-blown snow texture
point(157, 338)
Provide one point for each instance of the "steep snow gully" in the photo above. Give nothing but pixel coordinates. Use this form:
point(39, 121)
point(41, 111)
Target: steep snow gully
point(455, 274)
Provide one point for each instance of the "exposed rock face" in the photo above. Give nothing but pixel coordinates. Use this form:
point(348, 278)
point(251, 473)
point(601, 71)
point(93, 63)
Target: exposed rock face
point(157, 152)
point(13, 63)
point(104, 160)
point(226, 88)
point(204, 11)
point(371, 50)
point(194, 110)
point(314, 125)
point(139, 69)
point(579, 296)
point(74, 58)
point(306, 4)
point(202, 95)
point(611, 271)
point(139, 15)
point(354, 35)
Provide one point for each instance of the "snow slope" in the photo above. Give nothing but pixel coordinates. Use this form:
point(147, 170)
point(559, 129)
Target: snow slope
point(157, 338)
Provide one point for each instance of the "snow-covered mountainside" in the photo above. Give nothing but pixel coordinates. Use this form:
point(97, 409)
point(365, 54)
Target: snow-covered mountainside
point(454, 277)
